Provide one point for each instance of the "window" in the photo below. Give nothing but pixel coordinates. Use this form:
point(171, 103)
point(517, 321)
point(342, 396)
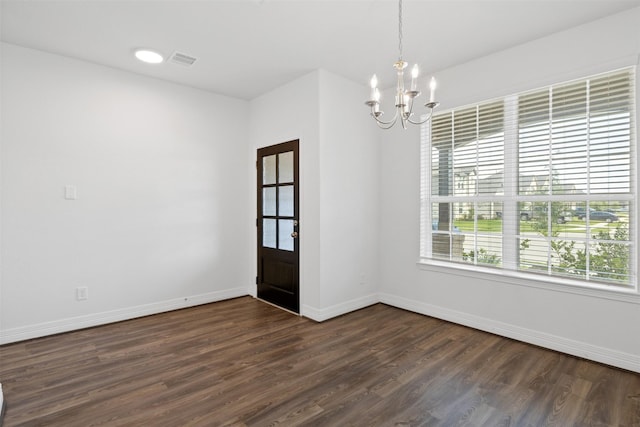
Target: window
point(540, 182)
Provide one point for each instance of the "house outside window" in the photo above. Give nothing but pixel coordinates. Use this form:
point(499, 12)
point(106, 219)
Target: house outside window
point(539, 183)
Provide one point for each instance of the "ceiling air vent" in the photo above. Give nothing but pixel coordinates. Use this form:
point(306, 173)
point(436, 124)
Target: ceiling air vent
point(182, 59)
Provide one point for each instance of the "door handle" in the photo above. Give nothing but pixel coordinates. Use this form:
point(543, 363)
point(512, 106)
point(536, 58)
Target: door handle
point(294, 234)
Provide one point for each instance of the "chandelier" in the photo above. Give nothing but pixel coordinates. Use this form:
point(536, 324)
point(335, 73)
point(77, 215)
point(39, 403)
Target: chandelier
point(404, 98)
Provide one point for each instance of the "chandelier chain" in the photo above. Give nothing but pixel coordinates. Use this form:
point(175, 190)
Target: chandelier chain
point(400, 29)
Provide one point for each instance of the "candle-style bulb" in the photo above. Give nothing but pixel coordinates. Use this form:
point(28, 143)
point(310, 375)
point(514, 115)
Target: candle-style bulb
point(374, 82)
point(414, 77)
point(432, 88)
point(374, 86)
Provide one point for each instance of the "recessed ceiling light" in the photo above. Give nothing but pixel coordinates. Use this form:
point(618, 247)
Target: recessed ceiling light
point(149, 56)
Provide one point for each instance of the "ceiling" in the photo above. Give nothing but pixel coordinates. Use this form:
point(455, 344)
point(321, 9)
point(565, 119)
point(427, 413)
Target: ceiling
point(245, 48)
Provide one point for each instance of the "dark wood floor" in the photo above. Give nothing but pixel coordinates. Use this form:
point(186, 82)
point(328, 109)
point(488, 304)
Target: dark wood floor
point(244, 363)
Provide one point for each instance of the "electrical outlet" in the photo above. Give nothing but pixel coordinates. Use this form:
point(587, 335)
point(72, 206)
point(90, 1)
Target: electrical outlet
point(82, 293)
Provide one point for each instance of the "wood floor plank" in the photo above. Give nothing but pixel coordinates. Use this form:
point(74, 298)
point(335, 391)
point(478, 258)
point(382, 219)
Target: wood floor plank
point(244, 363)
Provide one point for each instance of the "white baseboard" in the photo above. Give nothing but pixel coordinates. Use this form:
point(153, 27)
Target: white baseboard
point(322, 314)
point(588, 351)
point(96, 319)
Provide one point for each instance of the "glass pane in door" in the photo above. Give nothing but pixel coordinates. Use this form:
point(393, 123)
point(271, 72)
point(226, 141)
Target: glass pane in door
point(285, 239)
point(269, 170)
point(285, 200)
point(269, 201)
point(269, 233)
point(285, 163)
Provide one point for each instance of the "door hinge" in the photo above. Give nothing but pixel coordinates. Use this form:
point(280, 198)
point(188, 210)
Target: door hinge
point(256, 164)
point(256, 280)
point(256, 222)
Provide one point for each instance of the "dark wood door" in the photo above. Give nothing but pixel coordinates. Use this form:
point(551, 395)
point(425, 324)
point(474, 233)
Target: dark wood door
point(278, 221)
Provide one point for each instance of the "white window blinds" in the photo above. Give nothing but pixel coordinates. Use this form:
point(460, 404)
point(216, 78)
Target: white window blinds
point(538, 182)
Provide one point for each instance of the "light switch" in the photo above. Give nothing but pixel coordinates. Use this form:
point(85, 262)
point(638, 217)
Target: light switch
point(70, 192)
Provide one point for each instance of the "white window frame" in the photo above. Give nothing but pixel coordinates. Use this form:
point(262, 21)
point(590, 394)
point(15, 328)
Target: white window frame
point(509, 272)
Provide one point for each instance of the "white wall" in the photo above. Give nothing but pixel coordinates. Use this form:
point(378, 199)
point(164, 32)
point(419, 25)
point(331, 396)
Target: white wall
point(285, 114)
point(160, 221)
point(348, 195)
point(166, 193)
point(597, 325)
point(338, 220)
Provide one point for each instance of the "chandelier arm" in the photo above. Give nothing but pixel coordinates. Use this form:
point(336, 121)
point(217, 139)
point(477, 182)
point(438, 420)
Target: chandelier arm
point(386, 125)
point(389, 126)
point(422, 121)
point(382, 122)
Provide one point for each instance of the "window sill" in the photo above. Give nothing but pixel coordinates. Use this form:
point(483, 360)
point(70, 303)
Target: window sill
point(556, 284)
